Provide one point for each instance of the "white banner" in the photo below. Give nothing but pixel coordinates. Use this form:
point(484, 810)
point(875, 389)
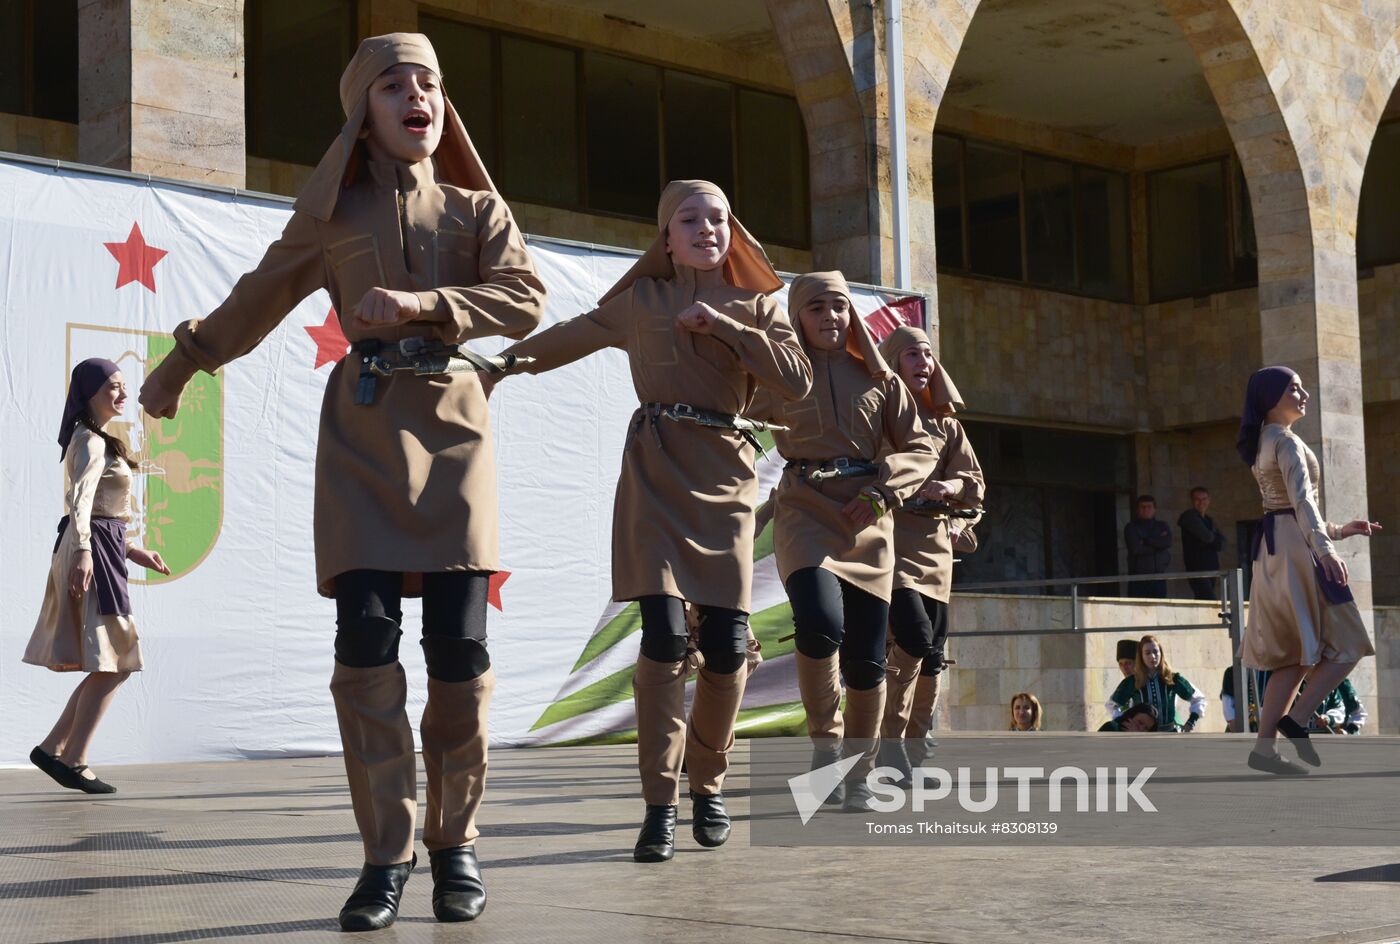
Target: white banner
point(237, 644)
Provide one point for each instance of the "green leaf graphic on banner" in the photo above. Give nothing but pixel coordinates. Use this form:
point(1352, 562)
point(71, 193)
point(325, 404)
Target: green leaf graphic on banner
point(184, 465)
point(607, 691)
point(621, 626)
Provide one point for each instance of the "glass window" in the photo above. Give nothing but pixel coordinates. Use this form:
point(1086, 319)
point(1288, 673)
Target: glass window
point(296, 51)
point(1105, 244)
point(39, 59)
point(1187, 230)
point(467, 58)
point(1377, 232)
point(622, 120)
point(699, 123)
point(772, 190)
point(1049, 221)
point(539, 122)
point(947, 201)
point(993, 211)
point(1244, 249)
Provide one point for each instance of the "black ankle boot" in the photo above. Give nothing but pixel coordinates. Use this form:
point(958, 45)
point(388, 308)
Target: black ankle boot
point(374, 903)
point(893, 754)
point(1274, 764)
point(1298, 734)
point(657, 840)
point(709, 820)
point(458, 892)
point(825, 757)
point(858, 797)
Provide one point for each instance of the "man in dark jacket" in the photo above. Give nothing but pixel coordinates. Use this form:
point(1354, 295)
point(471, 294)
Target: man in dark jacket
point(1201, 544)
point(1149, 548)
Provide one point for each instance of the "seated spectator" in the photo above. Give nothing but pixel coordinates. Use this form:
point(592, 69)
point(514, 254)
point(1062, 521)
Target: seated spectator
point(1127, 656)
point(1025, 712)
point(1341, 712)
point(1141, 718)
point(1227, 697)
point(1153, 682)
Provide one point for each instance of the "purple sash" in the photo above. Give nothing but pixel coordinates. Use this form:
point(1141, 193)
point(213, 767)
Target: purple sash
point(108, 564)
point(1332, 591)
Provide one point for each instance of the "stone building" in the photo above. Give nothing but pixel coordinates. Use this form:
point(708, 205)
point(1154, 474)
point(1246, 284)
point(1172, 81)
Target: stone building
point(1119, 207)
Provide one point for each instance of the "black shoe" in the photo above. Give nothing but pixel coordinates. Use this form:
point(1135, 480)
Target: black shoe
point(657, 840)
point(858, 797)
point(893, 754)
point(374, 903)
point(458, 892)
point(92, 784)
point(1298, 734)
point(709, 822)
point(1274, 764)
point(824, 757)
point(57, 770)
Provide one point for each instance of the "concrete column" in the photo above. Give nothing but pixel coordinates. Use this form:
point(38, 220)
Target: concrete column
point(161, 89)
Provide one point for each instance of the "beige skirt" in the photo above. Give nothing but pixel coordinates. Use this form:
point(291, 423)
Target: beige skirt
point(70, 635)
point(1290, 622)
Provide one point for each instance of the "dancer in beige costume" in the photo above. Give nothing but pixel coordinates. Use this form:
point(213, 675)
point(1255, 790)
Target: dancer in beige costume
point(403, 226)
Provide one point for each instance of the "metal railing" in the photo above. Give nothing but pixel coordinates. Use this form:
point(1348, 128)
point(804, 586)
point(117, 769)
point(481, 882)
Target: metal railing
point(1231, 616)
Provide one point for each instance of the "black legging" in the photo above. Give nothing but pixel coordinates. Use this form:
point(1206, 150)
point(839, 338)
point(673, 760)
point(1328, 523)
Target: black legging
point(368, 613)
point(831, 615)
point(920, 627)
point(723, 633)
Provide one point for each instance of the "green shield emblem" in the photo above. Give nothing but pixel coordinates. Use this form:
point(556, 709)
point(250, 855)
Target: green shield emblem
point(177, 489)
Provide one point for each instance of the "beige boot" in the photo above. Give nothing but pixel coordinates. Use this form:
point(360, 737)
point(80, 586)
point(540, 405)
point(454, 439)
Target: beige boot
point(454, 758)
point(864, 710)
point(659, 691)
point(901, 670)
point(819, 680)
point(710, 735)
point(921, 713)
point(379, 763)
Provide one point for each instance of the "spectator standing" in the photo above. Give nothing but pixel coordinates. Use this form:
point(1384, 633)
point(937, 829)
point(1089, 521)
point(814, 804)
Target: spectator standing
point(1201, 543)
point(1149, 544)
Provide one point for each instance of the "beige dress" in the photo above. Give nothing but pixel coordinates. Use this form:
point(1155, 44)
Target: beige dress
point(407, 483)
point(924, 545)
point(683, 516)
point(854, 415)
point(71, 635)
point(1290, 622)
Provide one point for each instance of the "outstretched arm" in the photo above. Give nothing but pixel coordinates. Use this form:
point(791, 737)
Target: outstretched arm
point(770, 351)
point(572, 340)
point(291, 269)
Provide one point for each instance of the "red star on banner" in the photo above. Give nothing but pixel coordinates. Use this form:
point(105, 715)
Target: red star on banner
point(493, 592)
point(331, 344)
point(136, 259)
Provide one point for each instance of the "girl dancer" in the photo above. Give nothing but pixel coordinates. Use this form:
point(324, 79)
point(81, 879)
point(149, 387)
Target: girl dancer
point(402, 225)
point(85, 624)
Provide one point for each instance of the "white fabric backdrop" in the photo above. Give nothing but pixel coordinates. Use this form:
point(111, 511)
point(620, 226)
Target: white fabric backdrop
point(238, 649)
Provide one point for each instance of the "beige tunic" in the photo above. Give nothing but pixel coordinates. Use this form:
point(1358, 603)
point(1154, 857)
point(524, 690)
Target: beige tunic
point(70, 635)
point(1290, 622)
point(409, 482)
point(848, 414)
point(683, 521)
point(923, 545)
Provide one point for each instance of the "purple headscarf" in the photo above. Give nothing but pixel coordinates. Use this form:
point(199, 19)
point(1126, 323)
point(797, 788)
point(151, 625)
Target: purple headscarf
point(88, 378)
point(1267, 385)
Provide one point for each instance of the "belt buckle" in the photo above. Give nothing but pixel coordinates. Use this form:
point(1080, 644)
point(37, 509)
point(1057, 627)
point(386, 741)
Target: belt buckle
point(840, 462)
point(684, 410)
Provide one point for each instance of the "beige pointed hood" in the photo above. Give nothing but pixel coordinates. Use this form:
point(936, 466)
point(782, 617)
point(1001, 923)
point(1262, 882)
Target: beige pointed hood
point(746, 266)
point(456, 159)
point(859, 342)
point(941, 395)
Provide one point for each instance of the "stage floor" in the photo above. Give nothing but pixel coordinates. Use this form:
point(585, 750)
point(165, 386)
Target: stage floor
point(266, 850)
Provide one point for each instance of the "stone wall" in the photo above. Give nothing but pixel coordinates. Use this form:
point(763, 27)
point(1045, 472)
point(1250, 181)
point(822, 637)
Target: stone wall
point(37, 137)
point(1074, 674)
point(1018, 351)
